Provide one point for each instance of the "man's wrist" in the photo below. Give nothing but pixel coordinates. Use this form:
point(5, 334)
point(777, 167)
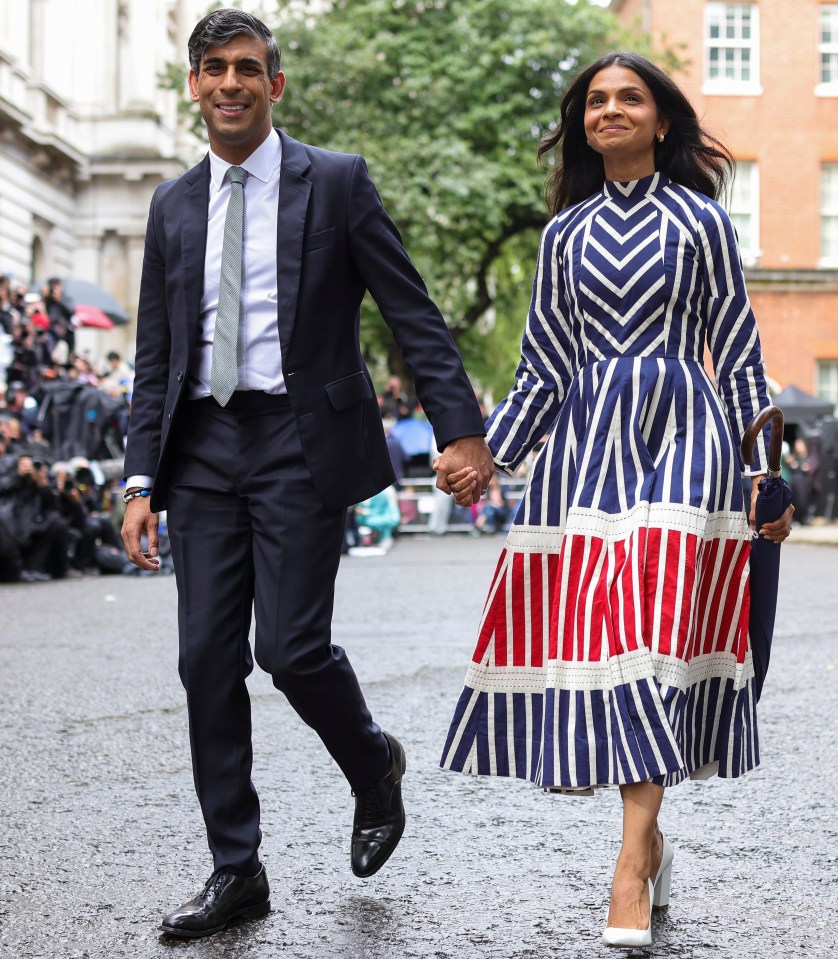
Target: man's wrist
point(132, 494)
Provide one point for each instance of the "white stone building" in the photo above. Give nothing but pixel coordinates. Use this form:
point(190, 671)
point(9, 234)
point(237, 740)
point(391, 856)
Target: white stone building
point(86, 134)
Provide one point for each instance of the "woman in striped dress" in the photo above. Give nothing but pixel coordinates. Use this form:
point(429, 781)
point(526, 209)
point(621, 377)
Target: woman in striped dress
point(614, 642)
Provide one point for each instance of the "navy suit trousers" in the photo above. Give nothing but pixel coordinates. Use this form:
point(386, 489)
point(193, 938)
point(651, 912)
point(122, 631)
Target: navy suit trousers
point(250, 535)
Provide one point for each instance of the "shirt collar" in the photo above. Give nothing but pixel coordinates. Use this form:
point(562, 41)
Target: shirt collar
point(263, 163)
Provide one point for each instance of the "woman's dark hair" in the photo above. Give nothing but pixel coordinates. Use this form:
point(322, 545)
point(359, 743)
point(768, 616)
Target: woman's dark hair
point(221, 27)
point(688, 155)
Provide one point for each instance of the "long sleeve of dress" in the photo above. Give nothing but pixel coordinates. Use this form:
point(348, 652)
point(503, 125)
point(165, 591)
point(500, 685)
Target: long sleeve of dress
point(732, 332)
point(545, 369)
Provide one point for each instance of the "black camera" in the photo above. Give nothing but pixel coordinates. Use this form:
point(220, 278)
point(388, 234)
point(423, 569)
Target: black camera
point(85, 477)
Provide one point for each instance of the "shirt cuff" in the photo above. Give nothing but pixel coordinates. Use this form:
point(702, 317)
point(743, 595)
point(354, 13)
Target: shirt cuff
point(144, 482)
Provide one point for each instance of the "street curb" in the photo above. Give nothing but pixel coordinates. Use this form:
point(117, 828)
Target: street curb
point(823, 534)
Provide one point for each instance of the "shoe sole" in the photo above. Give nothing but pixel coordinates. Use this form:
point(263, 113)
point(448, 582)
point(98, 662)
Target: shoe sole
point(251, 912)
point(397, 840)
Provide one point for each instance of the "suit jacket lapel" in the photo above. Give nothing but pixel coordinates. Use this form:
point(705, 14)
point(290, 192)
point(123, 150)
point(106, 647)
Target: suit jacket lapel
point(193, 242)
point(294, 192)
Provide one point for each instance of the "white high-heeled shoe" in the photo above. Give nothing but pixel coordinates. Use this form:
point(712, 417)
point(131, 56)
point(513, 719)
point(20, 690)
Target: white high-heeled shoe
point(628, 938)
point(658, 899)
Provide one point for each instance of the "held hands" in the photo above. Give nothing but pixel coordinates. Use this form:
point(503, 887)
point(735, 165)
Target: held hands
point(464, 468)
point(776, 531)
point(138, 520)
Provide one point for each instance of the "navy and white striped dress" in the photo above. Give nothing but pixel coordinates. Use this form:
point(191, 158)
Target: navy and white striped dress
point(614, 641)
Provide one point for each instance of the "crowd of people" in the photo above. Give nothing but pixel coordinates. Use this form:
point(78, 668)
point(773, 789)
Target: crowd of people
point(63, 419)
point(63, 422)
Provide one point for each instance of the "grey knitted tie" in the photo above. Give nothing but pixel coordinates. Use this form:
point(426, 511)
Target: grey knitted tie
point(224, 373)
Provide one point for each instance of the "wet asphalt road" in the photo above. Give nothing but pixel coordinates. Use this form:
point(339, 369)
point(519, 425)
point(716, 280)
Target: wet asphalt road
point(100, 830)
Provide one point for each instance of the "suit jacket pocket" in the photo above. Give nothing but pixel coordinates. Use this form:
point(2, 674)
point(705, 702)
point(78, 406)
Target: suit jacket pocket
point(316, 241)
point(348, 390)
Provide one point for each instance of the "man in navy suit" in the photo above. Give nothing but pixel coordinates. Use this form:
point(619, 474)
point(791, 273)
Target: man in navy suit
point(256, 477)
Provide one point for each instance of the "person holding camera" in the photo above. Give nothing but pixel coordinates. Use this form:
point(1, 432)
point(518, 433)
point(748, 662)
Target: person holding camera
point(31, 518)
point(79, 500)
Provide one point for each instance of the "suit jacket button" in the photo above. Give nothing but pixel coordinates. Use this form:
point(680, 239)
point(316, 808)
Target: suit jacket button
point(170, 415)
point(179, 376)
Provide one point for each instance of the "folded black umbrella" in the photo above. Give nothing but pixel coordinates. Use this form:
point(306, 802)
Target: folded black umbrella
point(773, 500)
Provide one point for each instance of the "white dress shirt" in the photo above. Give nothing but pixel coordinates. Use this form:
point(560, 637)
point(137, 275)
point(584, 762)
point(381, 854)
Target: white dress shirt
point(259, 351)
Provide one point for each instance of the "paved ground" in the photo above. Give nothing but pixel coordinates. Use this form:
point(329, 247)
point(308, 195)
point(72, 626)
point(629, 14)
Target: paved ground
point(100, 829)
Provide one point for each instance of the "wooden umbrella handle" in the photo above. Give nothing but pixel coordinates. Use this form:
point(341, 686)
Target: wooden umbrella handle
point(752, 431)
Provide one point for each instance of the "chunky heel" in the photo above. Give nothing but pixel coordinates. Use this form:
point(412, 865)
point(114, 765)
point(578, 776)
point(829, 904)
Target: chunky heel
point(660, 900)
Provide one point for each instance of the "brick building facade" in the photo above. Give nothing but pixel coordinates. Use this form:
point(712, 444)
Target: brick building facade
point(763, 75)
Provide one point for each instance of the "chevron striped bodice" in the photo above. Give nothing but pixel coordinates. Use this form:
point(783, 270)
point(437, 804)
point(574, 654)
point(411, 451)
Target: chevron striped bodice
point(632, 273)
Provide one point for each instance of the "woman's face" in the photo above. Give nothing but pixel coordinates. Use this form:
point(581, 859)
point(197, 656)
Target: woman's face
point(621, 119)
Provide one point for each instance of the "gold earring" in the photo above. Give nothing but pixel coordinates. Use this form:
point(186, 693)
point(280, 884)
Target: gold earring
point(660, 138)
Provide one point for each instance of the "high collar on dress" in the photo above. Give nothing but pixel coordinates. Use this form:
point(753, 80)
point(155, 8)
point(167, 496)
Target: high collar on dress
point(635, 189)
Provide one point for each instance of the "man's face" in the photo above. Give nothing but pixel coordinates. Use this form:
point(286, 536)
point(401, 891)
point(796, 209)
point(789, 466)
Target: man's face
point(236, 94)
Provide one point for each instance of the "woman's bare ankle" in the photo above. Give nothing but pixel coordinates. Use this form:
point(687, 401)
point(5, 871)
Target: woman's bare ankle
point(656, 852)
point(636, 862)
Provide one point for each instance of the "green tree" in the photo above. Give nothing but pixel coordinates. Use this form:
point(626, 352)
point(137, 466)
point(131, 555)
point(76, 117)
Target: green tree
point(447, 100)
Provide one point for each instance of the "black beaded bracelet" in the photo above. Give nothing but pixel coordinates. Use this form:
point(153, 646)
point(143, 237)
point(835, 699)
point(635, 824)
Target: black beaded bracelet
point(127, 497)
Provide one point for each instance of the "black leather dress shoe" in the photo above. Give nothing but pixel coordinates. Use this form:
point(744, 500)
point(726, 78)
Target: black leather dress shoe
point(224, 897)
point(379, 817)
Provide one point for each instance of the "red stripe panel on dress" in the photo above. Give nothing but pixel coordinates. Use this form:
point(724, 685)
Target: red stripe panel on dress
point(631, 583)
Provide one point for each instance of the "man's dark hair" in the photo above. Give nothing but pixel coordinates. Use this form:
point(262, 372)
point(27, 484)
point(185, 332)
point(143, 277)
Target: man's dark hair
point(689, 155)
point(221, 27)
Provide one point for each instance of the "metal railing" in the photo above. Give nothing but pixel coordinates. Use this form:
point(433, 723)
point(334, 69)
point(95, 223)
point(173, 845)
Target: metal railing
point(418, 500)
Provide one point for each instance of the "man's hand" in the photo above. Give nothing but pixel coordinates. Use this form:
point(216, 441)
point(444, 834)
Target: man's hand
point(466, 453)
point(138, 520)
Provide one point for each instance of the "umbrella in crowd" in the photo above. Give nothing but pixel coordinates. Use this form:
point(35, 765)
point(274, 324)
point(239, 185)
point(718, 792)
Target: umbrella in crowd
point(801, 408)
point(83, 296)
point(415, 436)
point(91, 317)
point(773, 500)
point(82, 292)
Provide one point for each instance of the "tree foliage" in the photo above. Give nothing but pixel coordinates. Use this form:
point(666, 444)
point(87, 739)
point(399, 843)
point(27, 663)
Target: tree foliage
point(447, 100)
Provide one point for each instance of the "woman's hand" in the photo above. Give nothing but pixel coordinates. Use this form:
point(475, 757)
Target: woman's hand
point(462, 484)
point(778, 530)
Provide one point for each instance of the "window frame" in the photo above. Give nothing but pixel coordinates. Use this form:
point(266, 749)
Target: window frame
point(828, 214)
point(827, 88)
point(828, 365)
point(752, 252)
point(724, 86)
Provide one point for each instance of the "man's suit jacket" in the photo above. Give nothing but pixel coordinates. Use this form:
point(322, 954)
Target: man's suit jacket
point(334, 241)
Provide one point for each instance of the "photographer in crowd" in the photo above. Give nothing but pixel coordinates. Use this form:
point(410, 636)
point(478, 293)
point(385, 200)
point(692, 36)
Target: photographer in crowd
point(58, 407)
point(37, 542)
